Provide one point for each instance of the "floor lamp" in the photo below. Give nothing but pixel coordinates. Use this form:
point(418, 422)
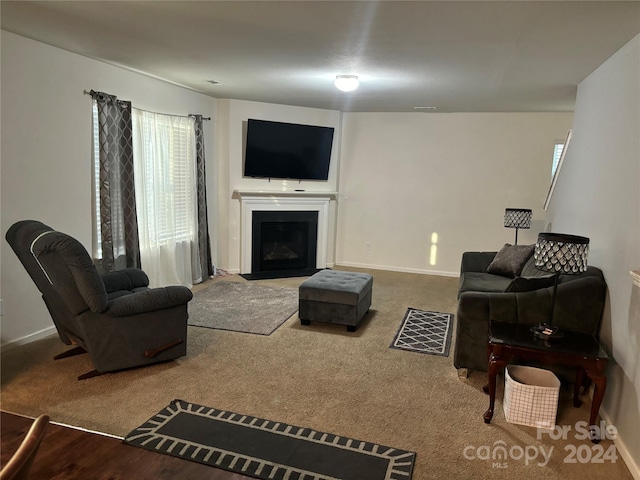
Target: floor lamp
point(517, 218)
point(559, 254)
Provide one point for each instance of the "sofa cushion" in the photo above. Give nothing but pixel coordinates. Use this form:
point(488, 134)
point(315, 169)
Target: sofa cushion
point(529, 284)
point(530, 270)
point(510, 260)
point(125, 279)
point(483, 282)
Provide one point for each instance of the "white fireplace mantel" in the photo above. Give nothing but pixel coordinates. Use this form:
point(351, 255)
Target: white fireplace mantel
point(284, 194)
point(274, 201)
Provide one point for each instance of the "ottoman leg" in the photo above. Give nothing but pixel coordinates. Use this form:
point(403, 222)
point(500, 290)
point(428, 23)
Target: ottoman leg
point(351, 328)
point(305, 322)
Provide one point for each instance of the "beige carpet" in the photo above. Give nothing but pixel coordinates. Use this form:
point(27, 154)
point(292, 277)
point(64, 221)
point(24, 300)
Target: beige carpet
point(320, 376)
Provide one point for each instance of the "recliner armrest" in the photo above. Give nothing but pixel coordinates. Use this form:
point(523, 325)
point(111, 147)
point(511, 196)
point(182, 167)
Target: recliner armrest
point(149, 300)
point(125, 279)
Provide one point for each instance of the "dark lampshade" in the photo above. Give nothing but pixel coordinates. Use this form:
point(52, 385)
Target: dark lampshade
point(560, 253)
point(517, 218)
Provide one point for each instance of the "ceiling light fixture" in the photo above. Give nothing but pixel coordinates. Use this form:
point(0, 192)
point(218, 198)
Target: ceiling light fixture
point(347, 83)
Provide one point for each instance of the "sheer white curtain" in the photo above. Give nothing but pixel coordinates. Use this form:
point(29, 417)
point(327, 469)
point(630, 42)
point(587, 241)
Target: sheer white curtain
point(164, 153)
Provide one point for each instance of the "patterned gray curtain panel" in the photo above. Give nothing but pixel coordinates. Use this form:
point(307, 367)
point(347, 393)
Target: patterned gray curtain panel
point(118, 223)
point(204, 244)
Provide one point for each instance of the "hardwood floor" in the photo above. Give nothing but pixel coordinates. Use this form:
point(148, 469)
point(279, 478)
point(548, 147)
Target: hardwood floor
point(71, 454)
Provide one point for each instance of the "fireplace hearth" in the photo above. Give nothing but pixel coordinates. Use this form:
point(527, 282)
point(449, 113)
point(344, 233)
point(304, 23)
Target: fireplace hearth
point(284, 244)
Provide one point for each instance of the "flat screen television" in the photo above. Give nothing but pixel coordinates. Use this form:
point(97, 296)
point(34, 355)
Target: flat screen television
point(287, 150)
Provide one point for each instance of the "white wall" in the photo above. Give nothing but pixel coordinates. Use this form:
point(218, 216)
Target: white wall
point(232, 133)
point(406, 176)
point(46, 153)
point(597, 195)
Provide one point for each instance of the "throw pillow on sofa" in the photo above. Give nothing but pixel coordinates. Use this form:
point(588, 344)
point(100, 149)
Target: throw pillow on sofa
point(529, 284)
point(509, 261)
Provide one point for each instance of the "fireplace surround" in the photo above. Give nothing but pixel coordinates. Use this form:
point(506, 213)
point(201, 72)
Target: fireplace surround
point(272, 201)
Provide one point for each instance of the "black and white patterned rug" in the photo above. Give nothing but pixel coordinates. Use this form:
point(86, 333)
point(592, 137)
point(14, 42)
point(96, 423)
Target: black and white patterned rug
point(266, 449)
point(425, 332)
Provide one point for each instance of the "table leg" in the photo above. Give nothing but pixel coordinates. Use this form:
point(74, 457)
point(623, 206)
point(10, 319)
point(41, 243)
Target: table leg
point(578, 385)
point(600, 385)
point(495, 363)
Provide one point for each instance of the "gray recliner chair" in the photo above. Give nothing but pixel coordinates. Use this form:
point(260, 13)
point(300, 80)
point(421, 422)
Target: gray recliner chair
point(115, 317)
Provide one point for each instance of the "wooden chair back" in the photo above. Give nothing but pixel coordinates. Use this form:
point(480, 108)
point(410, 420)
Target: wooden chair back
point(18, 466)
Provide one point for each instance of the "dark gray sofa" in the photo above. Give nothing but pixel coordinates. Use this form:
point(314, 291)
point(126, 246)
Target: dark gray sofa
point(579, 304)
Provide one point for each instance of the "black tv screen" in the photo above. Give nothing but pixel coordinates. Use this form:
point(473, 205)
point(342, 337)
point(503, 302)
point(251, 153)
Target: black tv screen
point(287, 150)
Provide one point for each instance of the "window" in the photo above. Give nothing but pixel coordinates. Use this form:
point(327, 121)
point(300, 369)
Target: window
point(557, 154)
point(165, 174)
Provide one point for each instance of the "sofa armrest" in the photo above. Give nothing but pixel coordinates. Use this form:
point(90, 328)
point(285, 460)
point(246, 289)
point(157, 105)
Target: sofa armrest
point(579, 305)
point(472, 328)
point(149, 300)
point(476, 261)
point(476, 309)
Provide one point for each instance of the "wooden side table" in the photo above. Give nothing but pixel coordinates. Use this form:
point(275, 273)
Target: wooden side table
point(509, 341)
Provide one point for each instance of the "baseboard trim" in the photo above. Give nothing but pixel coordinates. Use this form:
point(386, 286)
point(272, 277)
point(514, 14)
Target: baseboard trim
point(622, 449)
point(32, 337)
point(399, 269)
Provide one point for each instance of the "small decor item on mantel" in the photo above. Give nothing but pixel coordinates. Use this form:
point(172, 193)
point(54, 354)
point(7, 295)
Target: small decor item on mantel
point(559, 254)
point(517, 218)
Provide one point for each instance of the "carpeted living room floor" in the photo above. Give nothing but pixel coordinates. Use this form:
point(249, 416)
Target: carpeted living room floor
point(322, 377)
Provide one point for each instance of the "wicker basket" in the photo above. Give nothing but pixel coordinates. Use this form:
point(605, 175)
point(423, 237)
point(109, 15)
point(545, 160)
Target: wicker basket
point(530, 396)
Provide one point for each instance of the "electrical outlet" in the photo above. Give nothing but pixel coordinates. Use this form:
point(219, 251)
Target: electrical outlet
point(368, 246)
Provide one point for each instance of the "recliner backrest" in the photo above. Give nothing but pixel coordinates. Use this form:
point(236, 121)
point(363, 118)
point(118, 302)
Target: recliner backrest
point(20, 236)
point(69, 268)
point(63, 300)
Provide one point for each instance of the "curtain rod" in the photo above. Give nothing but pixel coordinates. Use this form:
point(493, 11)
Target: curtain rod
point(148, 111)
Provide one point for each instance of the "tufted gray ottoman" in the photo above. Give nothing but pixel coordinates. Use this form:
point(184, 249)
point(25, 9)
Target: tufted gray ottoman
point(335, 297)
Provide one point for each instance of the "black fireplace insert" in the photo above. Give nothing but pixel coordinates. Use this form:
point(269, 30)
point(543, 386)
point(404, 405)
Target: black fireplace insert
point(284, 244)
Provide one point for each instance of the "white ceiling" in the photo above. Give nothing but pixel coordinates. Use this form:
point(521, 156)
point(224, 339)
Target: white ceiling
point(459, 56)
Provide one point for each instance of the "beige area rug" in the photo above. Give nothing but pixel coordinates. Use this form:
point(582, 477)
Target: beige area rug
point(322, 377)
point(242, 307)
